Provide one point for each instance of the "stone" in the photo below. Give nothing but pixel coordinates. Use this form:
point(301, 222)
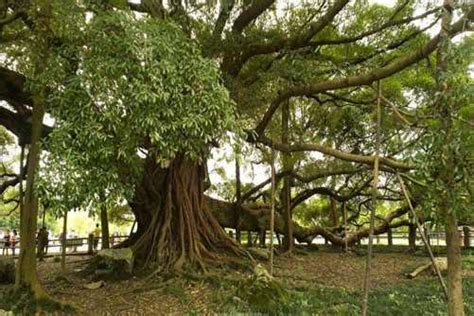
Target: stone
point(94, 285)
point(7, 270)
point(118, 261)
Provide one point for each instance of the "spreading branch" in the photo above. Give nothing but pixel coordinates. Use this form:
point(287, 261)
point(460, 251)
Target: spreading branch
point(367, 78)
point(250, 14)
point(369, 160)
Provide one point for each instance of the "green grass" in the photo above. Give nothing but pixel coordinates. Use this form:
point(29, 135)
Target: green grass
point(468, 262)
point(415, 297)
point(22, 302)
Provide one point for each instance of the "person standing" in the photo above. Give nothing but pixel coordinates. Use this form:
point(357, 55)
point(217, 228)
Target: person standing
point(6, 243)
point(13, 240)
point(45, 240)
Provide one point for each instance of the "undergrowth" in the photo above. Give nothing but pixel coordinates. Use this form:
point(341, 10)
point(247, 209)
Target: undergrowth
point(415, 297)
point(22, 302)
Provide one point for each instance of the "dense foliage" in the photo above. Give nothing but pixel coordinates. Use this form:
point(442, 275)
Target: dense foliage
point(137, 87)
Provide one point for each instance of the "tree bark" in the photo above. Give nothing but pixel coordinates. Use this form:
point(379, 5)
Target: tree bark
point(453, 244)
point(181, 232)
point(104, 223)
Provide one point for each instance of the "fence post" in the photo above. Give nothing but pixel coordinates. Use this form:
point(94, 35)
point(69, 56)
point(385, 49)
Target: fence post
point(263, 236)
point(90, 244)
point(467, 236)
point(426, 229)
point(389, 237)
point(249, 239)
point(412, 237)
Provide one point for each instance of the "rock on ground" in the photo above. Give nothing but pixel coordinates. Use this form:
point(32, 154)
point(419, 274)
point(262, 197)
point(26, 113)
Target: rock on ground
point(118, 261)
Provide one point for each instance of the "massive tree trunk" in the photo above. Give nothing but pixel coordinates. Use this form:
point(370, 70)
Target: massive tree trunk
point(176, 230)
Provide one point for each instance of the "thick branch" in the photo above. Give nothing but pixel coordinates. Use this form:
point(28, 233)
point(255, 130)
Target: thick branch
point(226, 8)
point(386, 25)
point(256, 219)
point(367, 78)
point(250, 14)
point(289, 43)
point(9, 183)
point(19, 125)
point(369, 160)
point(299, 42)
point(12, 86)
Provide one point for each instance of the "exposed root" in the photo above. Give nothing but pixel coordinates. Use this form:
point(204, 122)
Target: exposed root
point(183, 234)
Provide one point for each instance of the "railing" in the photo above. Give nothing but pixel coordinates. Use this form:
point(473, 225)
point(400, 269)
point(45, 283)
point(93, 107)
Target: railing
point(398, 238)
point(80, 245)
point(75, 245)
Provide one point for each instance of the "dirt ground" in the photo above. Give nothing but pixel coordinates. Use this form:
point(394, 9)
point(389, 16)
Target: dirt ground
point(152, 297)
point(346, 270)
point(135, 296)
